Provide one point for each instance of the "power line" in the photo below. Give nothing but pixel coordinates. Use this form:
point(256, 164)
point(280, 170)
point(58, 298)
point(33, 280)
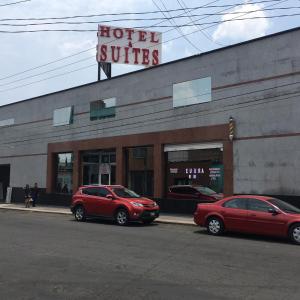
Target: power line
point(69, 56)
point(170, 18)
point(129, 13)
point(13, 3)
point(183, 5)
point(170, 118)
point(51, 62)
point(176, 27)
point(87, 66)
point(155, 26)
point(51, 70)
point(166, 110)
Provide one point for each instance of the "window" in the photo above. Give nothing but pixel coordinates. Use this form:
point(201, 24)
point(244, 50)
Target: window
point(286, 207)
point(102, 192)
point(192, 92)
point(238, 203)
point(102, 109)
point(257, 205)
point(96, 191)
point(63, 116)
point(64, 173)
point(7, 122)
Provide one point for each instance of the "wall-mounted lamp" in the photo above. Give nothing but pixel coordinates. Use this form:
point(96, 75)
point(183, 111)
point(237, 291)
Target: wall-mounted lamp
point(231, 128)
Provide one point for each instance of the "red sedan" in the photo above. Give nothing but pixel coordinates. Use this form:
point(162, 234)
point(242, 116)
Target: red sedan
point(250, 214)
point(113, 202)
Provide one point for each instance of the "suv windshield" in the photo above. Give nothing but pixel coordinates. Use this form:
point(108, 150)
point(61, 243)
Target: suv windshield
point(204, 190)
point(286, 207)
point(125, 193)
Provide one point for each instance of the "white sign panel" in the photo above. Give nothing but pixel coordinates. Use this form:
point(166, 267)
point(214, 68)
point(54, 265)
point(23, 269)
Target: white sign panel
point(129, 46)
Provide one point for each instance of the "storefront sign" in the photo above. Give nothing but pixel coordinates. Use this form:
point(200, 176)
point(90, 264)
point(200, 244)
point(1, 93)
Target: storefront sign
point(173, 170)
point(214, 173)
point(128, 46)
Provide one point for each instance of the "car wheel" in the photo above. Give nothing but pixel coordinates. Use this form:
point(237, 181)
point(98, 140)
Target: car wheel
point(215, 226)
point(148, 221)
point(294, 233)
point(122, 217)
point(79, 213)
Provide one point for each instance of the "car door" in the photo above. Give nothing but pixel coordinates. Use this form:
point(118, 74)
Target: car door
point(104, 206)
point(235, 214)
point(90, 200)
point(261, 221)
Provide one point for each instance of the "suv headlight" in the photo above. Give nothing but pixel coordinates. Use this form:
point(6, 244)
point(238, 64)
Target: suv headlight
point(154, 203)
point(136, 204)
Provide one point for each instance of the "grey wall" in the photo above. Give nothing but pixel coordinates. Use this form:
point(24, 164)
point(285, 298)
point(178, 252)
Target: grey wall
point(144, 101)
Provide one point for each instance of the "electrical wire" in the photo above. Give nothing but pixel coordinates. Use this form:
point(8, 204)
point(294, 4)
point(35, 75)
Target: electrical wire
point(87, 66)
point(171, 18)
point(13, 3)
point(129, 13)
point(166, 110)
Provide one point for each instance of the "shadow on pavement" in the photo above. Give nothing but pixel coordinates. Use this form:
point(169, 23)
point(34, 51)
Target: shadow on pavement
point(246, 236)
point(112, 222)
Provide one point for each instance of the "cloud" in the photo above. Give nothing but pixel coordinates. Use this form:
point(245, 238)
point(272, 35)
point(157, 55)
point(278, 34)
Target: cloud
point(235, 31)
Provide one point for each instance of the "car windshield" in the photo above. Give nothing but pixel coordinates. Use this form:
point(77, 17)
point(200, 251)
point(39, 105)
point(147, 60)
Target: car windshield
point(125, 193)
point(286, 207)
point(204, 190)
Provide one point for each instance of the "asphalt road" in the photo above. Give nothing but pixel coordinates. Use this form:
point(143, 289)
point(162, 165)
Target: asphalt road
point(44, 256)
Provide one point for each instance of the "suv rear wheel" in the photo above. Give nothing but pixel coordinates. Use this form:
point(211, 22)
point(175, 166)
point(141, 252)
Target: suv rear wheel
point(122, 217)
point(79, 213)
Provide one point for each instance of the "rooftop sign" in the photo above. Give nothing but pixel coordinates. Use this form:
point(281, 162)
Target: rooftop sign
point(128, 46)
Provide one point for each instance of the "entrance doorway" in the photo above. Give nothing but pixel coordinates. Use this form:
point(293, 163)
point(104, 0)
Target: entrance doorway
point(4, 180)
point(99, 167)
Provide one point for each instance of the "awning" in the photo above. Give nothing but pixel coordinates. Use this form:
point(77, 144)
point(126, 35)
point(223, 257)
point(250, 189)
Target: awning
point(197, 146)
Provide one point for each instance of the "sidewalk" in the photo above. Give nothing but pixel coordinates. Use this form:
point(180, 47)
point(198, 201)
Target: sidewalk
point(164, 217)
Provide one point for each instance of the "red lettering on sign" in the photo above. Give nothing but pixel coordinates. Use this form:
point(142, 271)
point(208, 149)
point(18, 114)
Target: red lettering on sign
point(126, 61)
point(129, 33)
point(103, 51)
point(152, 40)
point(136, 52)
point(142, 36)
point(115, 59)
point(118, 33)
point(146, 60)
point(105, 31)
point(155, 57)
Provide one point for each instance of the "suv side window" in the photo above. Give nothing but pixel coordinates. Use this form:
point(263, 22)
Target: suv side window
point(258, 205)
point(239, 203)
point(89, 191)
point(102, 192)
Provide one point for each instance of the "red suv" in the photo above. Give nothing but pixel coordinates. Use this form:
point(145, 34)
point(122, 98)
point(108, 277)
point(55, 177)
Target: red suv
point(113, 202)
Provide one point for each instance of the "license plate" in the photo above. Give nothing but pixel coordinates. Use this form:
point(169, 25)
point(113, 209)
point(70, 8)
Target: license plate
point(152, 214)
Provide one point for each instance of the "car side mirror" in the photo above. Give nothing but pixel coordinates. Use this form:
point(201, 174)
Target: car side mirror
point(273, 211)
point(110, 196)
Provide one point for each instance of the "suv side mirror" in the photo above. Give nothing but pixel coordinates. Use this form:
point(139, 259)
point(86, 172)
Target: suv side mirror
point(110, 196)
point(273, 211)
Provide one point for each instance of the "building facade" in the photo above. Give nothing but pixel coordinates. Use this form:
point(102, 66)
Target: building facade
point(164, 126)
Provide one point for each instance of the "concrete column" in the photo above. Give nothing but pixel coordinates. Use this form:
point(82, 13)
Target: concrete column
point(50, 172)
point(120, 166)
point(228, 167)
point(76, 170)
point(159, 170)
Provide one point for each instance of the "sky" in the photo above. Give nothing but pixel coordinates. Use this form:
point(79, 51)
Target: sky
point(22, 52)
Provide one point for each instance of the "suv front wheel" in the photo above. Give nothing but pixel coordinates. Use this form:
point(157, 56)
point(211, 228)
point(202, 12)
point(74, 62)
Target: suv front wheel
point(122, 217)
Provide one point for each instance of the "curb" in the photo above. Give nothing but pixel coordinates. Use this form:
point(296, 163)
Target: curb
point(164, 221)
